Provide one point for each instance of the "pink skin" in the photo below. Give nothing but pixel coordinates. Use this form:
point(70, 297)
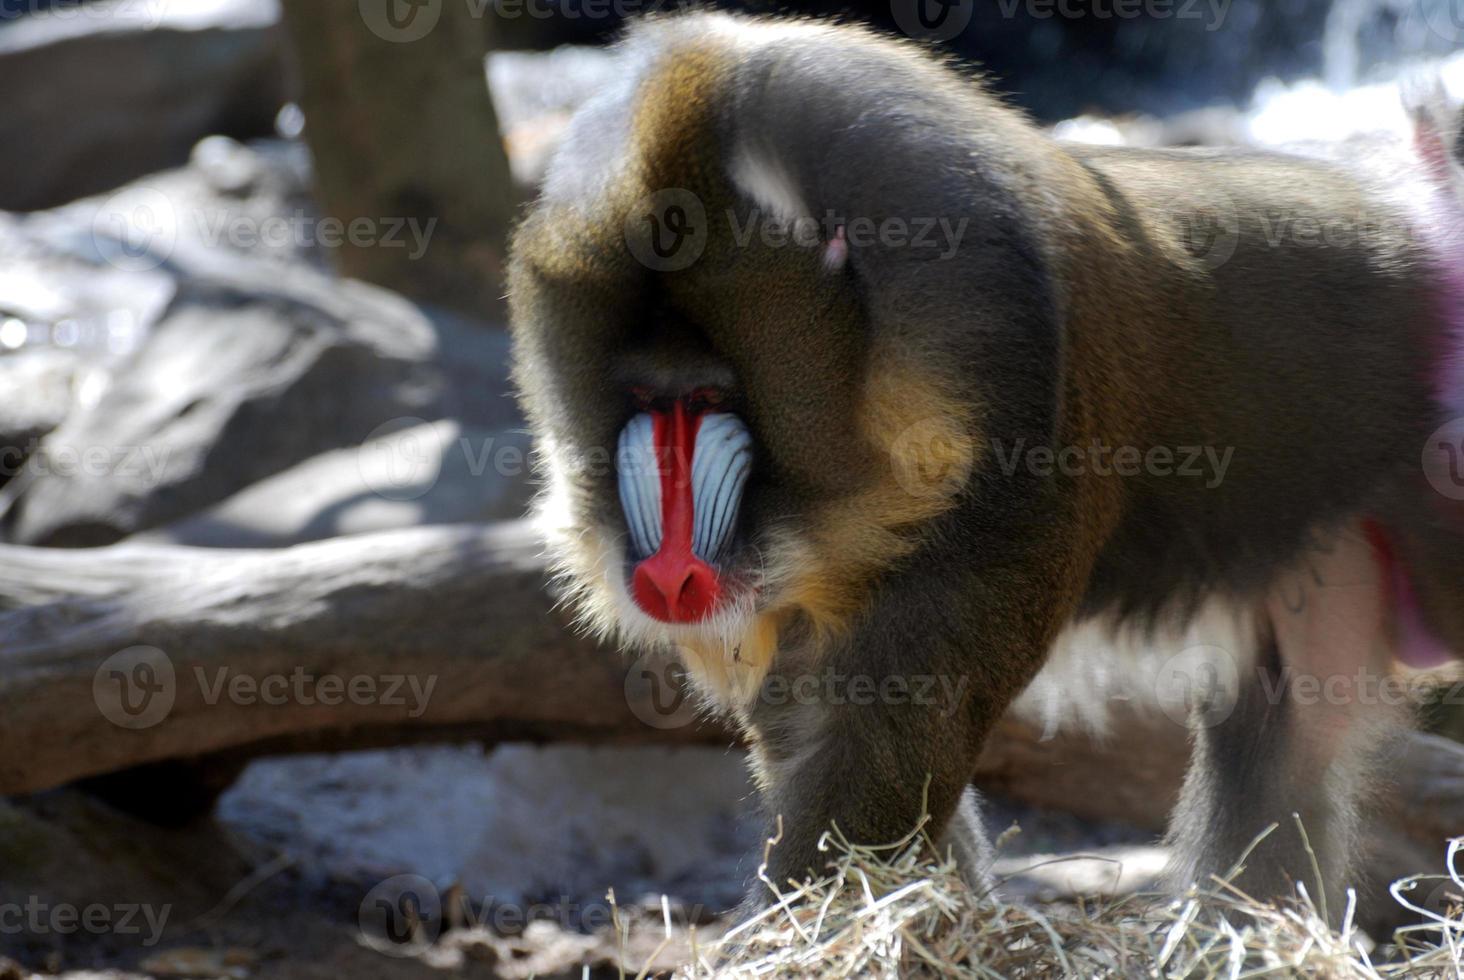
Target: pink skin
point(836, 252)
point(1415, 643)
point(1441, 227)
point(1440, 224)
point(1332, 630)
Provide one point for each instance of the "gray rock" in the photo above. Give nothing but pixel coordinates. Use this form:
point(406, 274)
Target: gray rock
point(101, 93)
point(520, 824)
point(93, 309)
point(93, 276)
point(231, 202)
point(430, 473)
point(217, 349)
point(241, 379)
point(37, 389)
point(534, 96)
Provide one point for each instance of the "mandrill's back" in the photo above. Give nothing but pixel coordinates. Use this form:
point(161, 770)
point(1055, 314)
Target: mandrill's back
point(1290, 332)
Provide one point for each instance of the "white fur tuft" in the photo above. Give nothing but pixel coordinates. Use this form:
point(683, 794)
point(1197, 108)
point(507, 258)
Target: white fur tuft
point(767, 183)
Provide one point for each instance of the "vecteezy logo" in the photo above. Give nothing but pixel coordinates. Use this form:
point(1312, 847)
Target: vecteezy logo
point(667, 231)
point(135, 688)
point(676, 226)
point(1443, 459)
point(401, 916)
point(1444, 17)
point(401, 459)
point(1210, 230)
point(400, 21)
point(136, 229)
point(656, 688)
point(933, 458)
point(1199, 686)
point(932, 20)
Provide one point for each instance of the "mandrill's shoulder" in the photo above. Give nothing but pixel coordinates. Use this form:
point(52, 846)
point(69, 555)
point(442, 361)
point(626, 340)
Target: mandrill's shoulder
point(698, 95)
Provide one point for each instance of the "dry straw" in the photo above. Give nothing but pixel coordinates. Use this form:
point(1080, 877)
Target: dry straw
point(901, 911)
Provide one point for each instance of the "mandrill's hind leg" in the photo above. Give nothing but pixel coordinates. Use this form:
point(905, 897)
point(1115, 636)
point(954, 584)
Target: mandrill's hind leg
point(1299, 739)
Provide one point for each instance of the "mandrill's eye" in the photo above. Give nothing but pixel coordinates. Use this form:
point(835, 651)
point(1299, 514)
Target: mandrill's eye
point(703, 400)
point(681, 477)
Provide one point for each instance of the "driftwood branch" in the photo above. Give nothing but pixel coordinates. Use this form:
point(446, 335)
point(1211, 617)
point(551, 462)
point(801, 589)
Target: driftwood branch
point(459, 612)
point(448, 633)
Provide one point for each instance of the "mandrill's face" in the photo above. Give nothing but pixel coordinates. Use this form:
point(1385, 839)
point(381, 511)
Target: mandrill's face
point(724, 443)
point(678, 520)
point(686, 535)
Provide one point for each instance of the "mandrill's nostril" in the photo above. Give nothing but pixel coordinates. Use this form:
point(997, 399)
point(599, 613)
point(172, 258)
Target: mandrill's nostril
point(676, 589)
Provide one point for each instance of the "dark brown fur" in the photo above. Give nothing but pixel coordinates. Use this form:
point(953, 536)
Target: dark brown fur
point(1078, 308)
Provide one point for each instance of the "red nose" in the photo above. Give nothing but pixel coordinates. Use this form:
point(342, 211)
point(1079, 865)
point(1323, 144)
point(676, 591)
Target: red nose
point(676, 588)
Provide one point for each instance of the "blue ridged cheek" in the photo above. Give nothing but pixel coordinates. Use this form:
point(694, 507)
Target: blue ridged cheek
point(640, 484)
point(719, 471)
point(721, 464)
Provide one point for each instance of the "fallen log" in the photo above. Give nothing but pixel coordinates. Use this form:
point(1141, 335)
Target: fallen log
point(137, 654)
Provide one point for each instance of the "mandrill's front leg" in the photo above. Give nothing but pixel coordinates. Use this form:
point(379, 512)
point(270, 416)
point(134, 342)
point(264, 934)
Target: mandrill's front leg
point(887, 721)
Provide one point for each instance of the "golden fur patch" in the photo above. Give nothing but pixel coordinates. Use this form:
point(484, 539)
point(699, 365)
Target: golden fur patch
point(924, 446)
point(675, 136)
point(731, 670)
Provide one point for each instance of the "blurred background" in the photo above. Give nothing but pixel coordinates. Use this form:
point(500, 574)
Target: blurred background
point(282, 693)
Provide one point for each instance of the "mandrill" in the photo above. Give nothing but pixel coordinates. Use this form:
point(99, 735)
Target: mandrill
point(839, 366)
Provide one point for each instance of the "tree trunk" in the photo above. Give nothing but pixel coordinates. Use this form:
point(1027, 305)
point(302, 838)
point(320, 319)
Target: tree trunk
point(398, 117)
